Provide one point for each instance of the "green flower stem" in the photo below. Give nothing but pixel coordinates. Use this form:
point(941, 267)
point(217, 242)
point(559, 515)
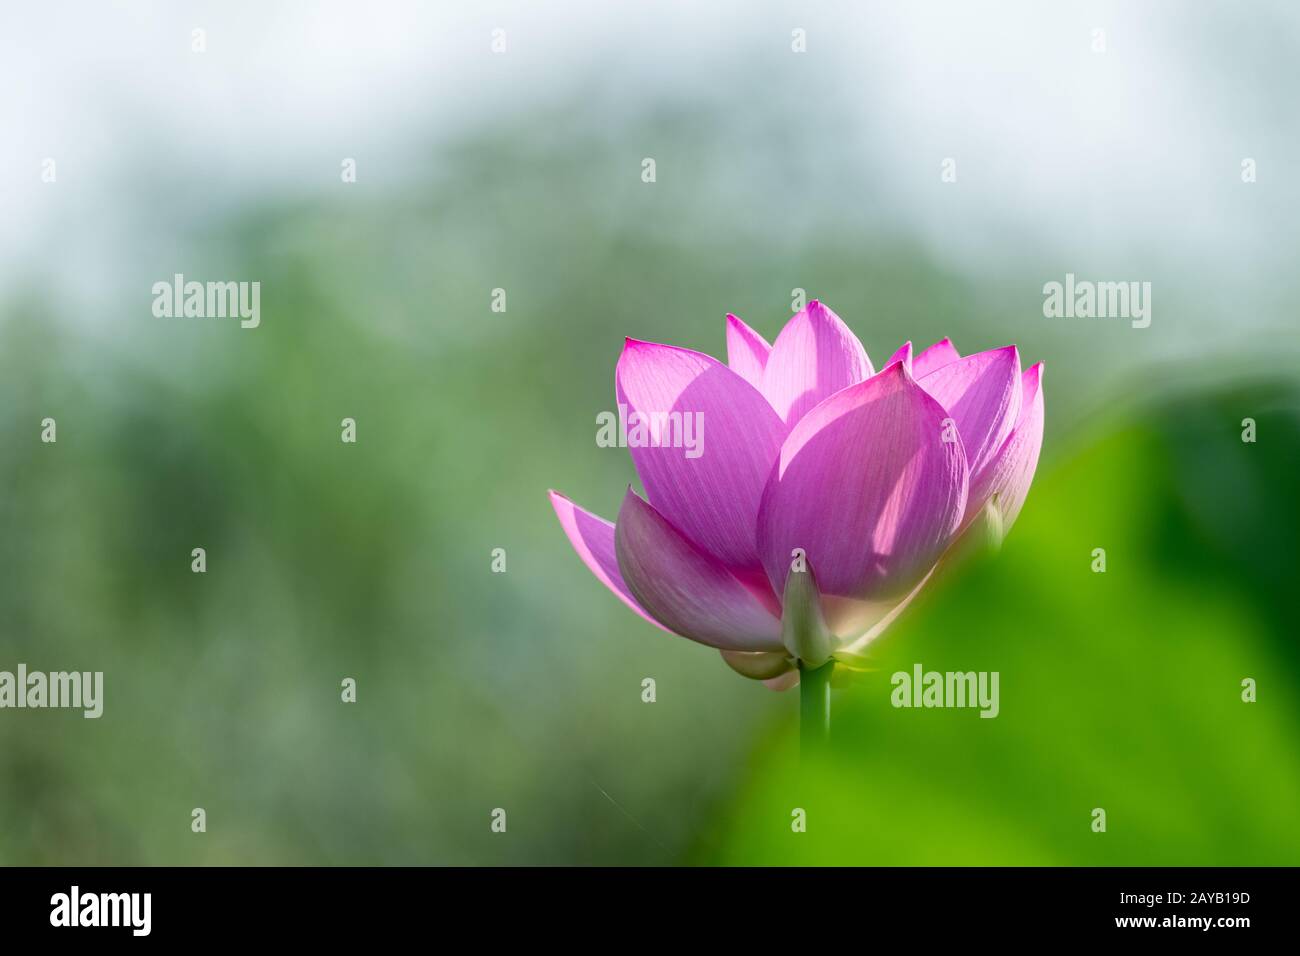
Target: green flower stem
point(815, 708)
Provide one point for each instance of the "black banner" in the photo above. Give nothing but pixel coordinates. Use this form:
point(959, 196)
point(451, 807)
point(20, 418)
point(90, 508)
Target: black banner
point(375, 904)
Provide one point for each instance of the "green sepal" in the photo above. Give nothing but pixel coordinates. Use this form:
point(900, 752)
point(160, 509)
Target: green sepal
point(803, 625)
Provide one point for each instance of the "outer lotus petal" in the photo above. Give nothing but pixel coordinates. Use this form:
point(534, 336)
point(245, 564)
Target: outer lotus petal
point(867, 486)
point(712, 498)
point(982, 394)
point(904, 355)
point(1011, 471)
point(858, 645)
point(784, 682)
point(814, 357)
point(686, 590)
point(936, 356)
point(747, 351)
point(593, 538)
point(758, 665)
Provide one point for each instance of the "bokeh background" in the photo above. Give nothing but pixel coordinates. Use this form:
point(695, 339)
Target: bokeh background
point(521, 170)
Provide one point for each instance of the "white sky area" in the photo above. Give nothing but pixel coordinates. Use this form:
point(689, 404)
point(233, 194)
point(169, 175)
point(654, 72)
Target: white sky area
point(1127, 158)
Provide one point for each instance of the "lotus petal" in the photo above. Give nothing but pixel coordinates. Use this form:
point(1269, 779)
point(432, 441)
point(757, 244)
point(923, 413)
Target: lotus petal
point(1011, 471)
point(904, 355)
point(593, 538)
point(685, 589)
point(814, 357)
point(982, 394)
point(936, 356)
point(747, 351)
point(711, 498)
point(868, 488)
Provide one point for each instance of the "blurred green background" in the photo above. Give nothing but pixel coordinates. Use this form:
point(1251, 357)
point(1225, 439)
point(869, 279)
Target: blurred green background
point(522, 690)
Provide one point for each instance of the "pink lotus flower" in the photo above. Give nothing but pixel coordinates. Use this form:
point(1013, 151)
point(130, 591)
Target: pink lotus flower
point(826, 494)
